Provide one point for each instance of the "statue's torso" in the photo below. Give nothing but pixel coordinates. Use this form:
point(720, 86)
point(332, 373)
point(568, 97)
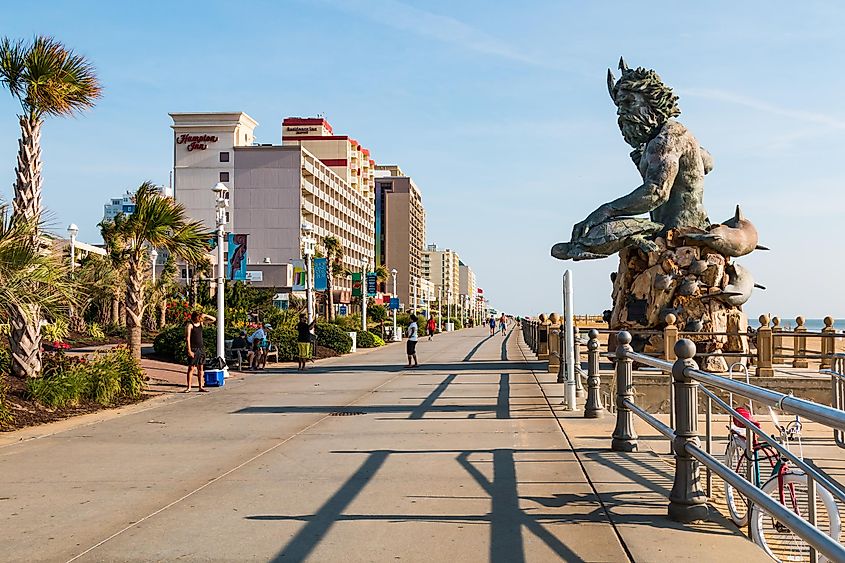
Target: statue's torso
point(685, 207)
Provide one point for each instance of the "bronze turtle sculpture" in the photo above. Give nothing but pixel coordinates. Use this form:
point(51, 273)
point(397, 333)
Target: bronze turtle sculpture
point(610, 237)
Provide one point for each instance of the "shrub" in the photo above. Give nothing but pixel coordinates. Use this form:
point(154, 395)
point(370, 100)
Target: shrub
point(334, 337)
point(104, 379)
point(349, 323)
point(56, 331)
point(5, 359)
point(284, 338)
point(6, 416)
point(96, 331)
point(367, 339)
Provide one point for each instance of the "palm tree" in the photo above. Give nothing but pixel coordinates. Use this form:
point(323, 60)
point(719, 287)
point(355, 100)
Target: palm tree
point(33, 283)
point(382, 274)
point(334, 257)
point(47, 78)
point(157, 222)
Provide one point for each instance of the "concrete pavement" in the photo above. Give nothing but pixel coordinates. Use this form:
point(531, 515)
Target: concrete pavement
point(357, 459)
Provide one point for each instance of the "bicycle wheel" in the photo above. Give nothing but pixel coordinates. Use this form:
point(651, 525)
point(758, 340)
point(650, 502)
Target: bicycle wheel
point(737, 504)
point(778, 541)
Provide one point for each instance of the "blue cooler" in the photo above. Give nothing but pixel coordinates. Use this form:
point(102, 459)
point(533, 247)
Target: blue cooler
point(215, 377)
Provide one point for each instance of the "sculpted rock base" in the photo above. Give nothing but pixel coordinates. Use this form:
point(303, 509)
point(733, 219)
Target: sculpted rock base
point(686, 281)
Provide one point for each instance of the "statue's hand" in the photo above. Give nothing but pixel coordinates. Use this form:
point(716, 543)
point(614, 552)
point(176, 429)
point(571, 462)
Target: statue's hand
point(593, 219)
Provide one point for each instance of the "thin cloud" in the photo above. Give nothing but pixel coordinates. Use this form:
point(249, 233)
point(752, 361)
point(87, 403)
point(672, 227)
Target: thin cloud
point(766, 107)
point(434, 26)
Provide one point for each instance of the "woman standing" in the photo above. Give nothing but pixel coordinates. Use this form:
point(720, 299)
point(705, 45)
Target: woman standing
point(196, 349)
point(431, 326)
point(411, 346)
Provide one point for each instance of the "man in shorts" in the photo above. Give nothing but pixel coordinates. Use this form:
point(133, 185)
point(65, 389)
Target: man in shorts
point(196, 349)
point(411, 345)
point(303, 340)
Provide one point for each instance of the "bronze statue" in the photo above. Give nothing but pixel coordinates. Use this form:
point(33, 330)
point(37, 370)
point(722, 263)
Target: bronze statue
point(670, 160)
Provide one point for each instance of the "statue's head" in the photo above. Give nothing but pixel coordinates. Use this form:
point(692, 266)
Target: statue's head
point(643, 102)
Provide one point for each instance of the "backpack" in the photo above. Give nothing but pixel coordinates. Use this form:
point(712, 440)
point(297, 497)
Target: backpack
point(214, 363)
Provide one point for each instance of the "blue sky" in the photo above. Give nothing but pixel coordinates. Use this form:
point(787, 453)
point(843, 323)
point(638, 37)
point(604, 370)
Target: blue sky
point(499, 110)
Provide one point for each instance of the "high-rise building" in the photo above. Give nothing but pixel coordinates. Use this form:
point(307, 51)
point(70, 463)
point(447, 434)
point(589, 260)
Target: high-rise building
point(399, 230)
point(273, 189)
point(442, 268)
point(468, 290)
point(345, 156)
point(126, 203)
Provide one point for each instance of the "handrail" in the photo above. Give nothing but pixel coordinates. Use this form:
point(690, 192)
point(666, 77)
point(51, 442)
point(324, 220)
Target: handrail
point(808, 409)
point(819, 476)
point(688, 501)
point(829, 547)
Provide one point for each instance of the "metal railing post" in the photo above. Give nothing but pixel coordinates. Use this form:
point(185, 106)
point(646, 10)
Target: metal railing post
point(593, 407)
point(624, 435)
point(828, 344)
point(687, 501)
point(764, 349)
point(799, 346)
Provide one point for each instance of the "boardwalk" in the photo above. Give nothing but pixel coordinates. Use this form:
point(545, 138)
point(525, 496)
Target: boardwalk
point(359, 459)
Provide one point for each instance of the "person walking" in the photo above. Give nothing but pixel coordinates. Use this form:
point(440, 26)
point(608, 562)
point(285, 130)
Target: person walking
point(503, 324)
point(492, 324)
point(431, 326)
point(411, 345)
point(196, 349)
point(303, 340)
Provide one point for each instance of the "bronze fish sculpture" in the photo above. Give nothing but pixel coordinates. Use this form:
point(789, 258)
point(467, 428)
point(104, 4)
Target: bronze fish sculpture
point(735, 237)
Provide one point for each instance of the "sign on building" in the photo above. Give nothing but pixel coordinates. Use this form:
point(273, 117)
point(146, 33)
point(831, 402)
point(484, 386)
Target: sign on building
point(394, 303)
point(254, 275)
point(343, 310)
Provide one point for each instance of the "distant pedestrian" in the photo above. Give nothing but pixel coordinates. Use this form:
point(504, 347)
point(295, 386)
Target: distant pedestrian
point(411, 346)
point(431, 326)
point(196, 349)
point(303, 340)
point(503, 324)
point(492, 324)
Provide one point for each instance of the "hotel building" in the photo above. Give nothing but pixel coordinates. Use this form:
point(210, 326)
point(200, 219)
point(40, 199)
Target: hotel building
point(442, 268)
point(467, 289)
point(273, 189)
point(399, 230)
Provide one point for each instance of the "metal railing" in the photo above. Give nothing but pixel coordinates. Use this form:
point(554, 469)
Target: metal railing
point(688, 499)
point(837, 399)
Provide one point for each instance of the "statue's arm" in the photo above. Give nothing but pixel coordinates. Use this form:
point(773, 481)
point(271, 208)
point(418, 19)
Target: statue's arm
point(654, 191)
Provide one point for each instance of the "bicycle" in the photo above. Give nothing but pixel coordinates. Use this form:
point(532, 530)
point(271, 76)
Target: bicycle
point(785, 484)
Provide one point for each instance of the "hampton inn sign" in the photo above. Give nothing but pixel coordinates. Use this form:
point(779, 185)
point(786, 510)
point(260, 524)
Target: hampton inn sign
point(195, 142)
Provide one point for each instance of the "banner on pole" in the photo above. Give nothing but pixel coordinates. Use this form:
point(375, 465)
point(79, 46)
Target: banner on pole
point(298, 275)
point(321, 274)
point(356, 284)
point(236, 266)
point(394, 303)
point(372, 281)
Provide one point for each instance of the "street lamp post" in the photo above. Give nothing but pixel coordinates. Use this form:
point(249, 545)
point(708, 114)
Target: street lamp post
point(221, 204)
point(449, 322)
point(396, 337)
point(153, 260)
point(364, 295)
point(72, 231)
point(308, 246)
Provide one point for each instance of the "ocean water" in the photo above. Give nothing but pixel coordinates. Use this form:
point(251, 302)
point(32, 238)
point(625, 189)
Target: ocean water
point(813, 325)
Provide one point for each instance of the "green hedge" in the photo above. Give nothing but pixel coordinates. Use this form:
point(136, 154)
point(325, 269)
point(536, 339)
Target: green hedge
point(367, 339)
point(334, 337)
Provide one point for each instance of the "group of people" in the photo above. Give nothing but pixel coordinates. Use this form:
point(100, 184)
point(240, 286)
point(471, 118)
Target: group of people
point(256, 345)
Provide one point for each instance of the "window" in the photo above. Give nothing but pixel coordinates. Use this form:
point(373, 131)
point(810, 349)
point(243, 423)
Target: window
point(224, 157)
point(224, 176)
